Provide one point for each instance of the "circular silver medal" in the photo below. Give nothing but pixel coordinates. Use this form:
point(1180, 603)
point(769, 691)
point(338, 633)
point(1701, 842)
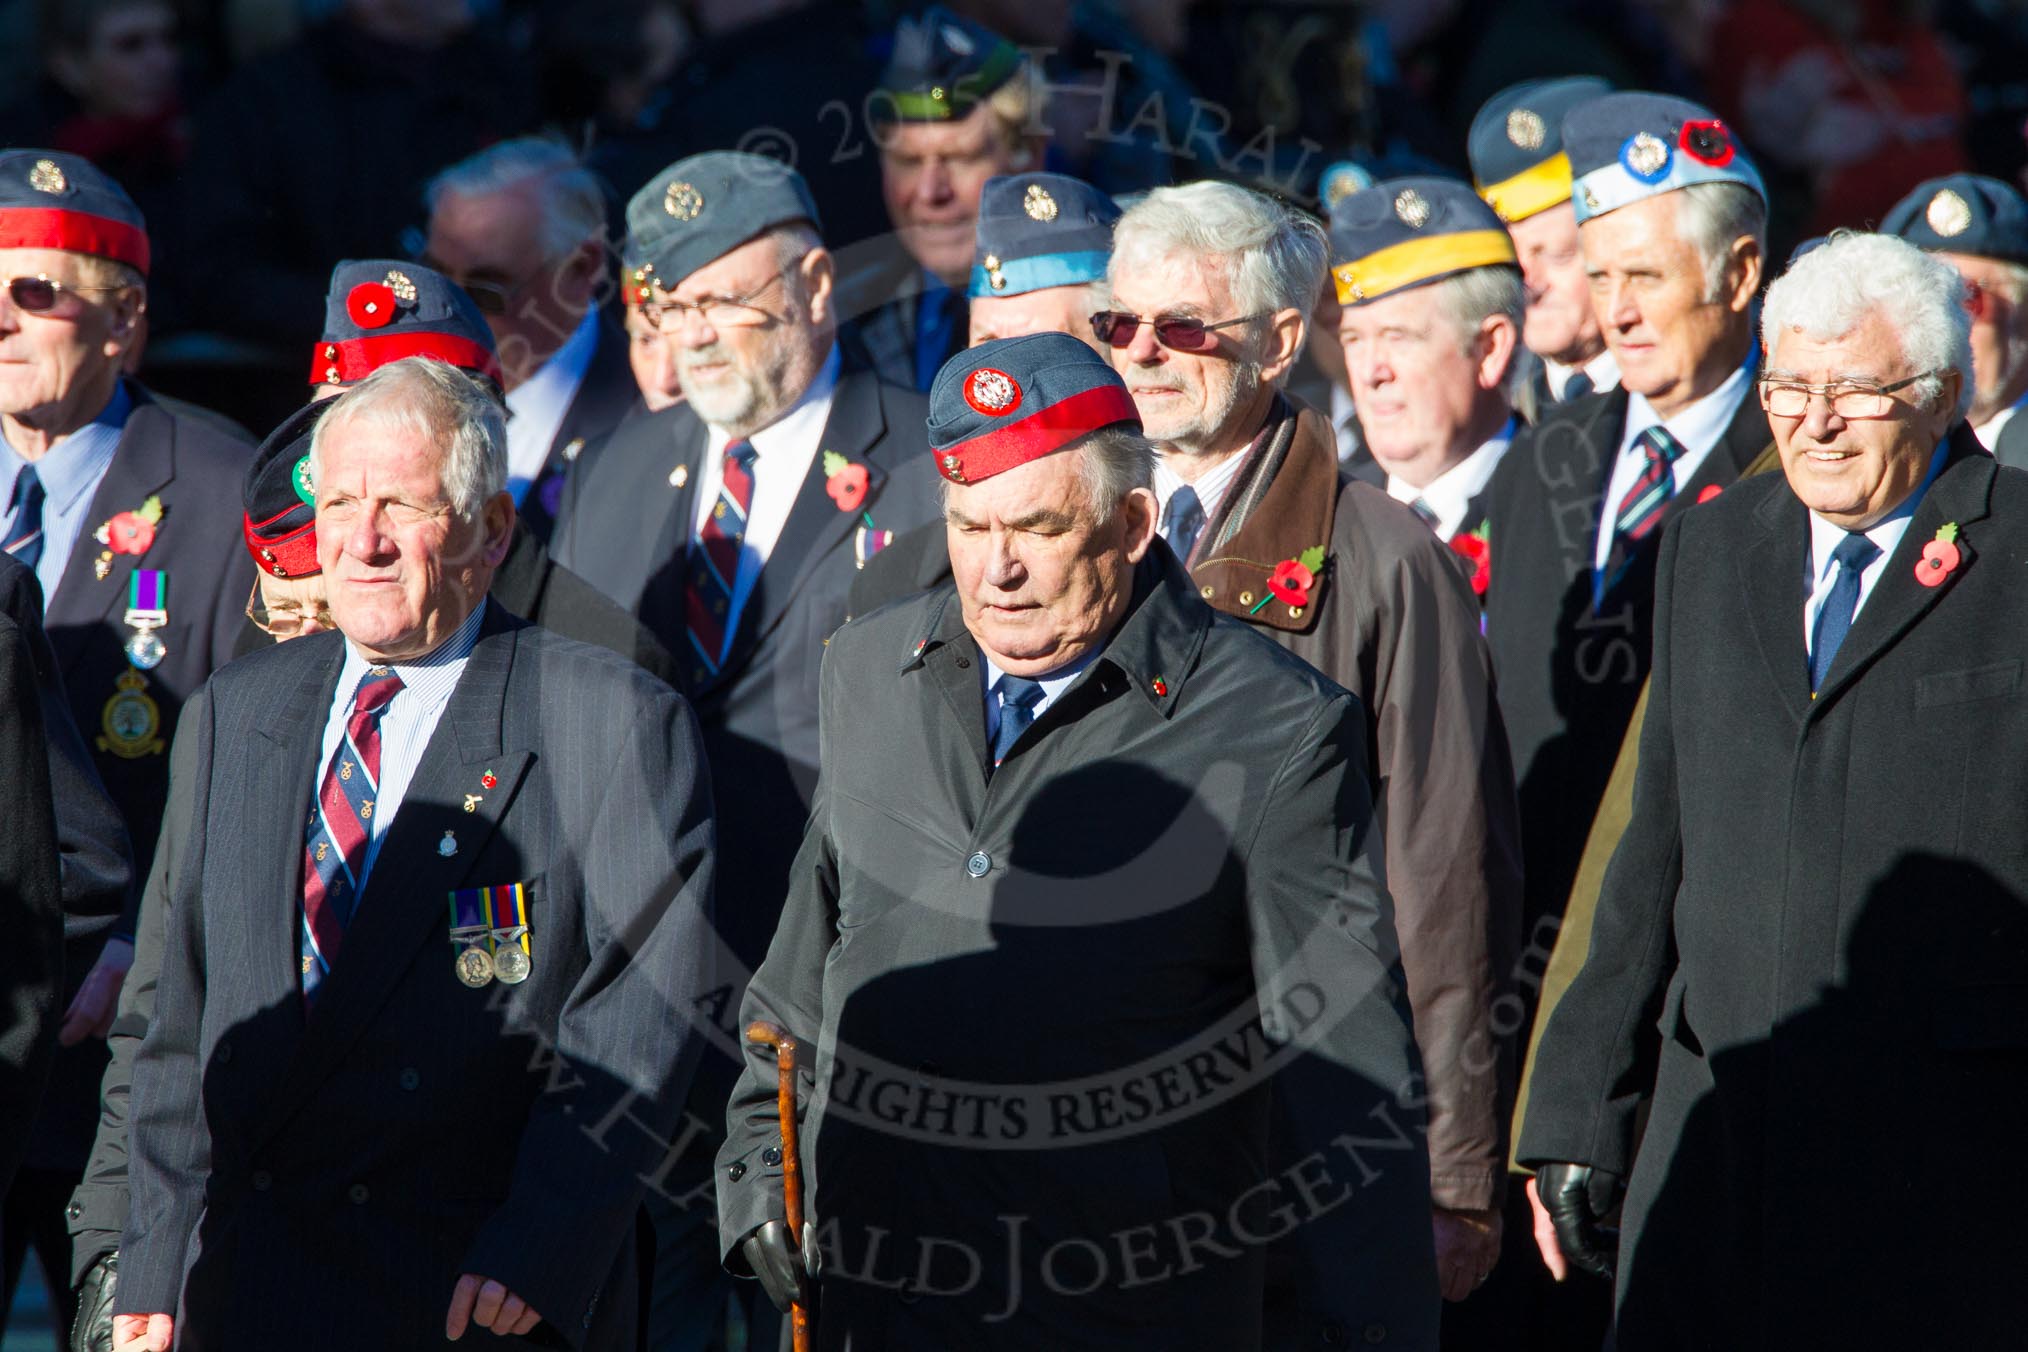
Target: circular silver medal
point(146, 651)
point(511, 965)
point(475, 968)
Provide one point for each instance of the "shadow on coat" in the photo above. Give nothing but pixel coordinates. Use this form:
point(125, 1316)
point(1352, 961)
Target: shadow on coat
point(1854, 1181)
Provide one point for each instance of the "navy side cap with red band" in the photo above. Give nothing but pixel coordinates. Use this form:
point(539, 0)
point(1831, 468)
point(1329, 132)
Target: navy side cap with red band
point(999, 405)
point(380, 310)
point(50, 200)
point(280, 522)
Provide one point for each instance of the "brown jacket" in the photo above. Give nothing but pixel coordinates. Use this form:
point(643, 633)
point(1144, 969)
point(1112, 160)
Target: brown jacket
point(1391, 618)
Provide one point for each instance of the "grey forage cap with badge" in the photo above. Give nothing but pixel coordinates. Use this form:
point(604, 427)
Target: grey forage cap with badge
point(702, 208)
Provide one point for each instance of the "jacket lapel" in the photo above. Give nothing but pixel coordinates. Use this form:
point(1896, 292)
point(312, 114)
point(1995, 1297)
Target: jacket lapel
point(1746, 436)
point(1283, 503)
point(1960, 494)
point(143, 464)
point(405, 901)
point(1772, 577)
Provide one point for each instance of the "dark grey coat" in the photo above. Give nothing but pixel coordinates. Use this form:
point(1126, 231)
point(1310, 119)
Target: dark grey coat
point(1810, 948)
point(1043, 1009)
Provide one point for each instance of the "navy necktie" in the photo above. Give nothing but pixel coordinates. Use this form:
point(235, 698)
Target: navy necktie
point(24, 537)
point(1577, 387)
point(1182, 520)
point(1018, 698)
point(1834, 617)
point(1425, 513)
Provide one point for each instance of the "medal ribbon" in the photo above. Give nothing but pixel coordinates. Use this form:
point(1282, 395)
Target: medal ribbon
point(148, 590)
point(507, 912)
point(468, 916)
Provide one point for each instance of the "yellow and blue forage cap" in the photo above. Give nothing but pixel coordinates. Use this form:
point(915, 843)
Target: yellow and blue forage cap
point(943, 66)
point(1628, 147)
point(1001, 404)
point(701, 208)
point(1516, 144)
point(1963, 213)
point(1403, 232)
point(1040, 230)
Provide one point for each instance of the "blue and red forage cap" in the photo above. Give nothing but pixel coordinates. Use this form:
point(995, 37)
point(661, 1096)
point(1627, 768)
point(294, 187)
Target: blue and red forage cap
point(1628, 147)
point(1002, 404)
point(1040, 230)
point(280, 523)
point(380, 310)
point(50, 200)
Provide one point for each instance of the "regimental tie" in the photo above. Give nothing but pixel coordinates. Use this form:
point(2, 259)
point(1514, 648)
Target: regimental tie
point(24, 537)
point(1426, 514)
point(334, 850)
point(1018, 698)
point(714, 564)
point(1834, 618)
point(1641, 510)
point(1182, 521)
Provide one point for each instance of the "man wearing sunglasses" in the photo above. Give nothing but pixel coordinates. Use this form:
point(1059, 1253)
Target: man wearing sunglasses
point(1211, 288)
point(126, 512)
point(1821, 887)
point(521, 226)
point(1979, 226)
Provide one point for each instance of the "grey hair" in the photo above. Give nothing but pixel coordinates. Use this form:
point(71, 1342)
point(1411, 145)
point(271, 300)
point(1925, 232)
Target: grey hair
point(1468, 299)
point(434, 400)
point(1273, 255)
point(573, 203)
point(1112, 462)
point(1830, 290)
point(1710, 217)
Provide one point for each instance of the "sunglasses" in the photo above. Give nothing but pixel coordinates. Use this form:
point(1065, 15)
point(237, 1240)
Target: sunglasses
point(1176, 332)
point(44, 295)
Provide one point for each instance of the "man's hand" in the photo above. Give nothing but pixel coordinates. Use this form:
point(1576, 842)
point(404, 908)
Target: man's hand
point(93, 1329)
point(98, 999)
point(1467, 1246)
point(784, 1274)
point(143, 1332)
point(476, 1300)
point(1568, 1202)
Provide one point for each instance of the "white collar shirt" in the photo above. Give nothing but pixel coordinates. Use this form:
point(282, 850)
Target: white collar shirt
point(1212, 487)
point(1988, 432)
point(1450, 494)
point(1825, 537)
point(1603, 371)
point(1698, 429)
point(1053, 685)
point(540, 403)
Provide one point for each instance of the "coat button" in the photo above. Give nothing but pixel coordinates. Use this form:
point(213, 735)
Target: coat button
point(410, 1078)
point(735, 1171)
point(263, 1180)
point(1334, 1334)
point(357, 1194)
point(222, 1053)
point(979, 865)
point(1246, 598)
point(73, 1211)
point(1207, 592)
point(1376, 1333)
point(771, 1156)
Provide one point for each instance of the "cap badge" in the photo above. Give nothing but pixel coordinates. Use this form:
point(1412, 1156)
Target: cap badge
point(370, 305)
point(47, 177)
point(1526, 129)
point(991, 392)
point(1037, 202)
point(1590, 199)
point(1948, 214)
point(1339, 184)
point(683, 201)
point(1707, 143)
point(1646, 157)
point(299, 479)
point(994, 277)
point(403, 288)
point(1412, 207)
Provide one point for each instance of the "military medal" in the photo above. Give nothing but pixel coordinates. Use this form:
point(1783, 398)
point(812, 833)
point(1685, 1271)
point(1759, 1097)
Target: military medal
point(511, 965)
point(470, 936)
point(507, 910)
point(489, 934)
point(475, 969)
point(147, 611)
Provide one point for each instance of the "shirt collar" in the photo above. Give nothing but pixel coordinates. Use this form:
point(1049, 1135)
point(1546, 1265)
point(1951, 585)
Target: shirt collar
point(1212, 486)
point(1886, 533)
point(1053, 684)
point(1699, 426)
point(1450, 494)
point(76, 464)
point(434, 672)
point(793, 427)
point(558, 377)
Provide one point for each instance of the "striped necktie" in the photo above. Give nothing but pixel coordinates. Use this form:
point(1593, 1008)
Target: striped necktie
point(714, 564)
point(24, 537)
point(1641, 509)
point(334, 850)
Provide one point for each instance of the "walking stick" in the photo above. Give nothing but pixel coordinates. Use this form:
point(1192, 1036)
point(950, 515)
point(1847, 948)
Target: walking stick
point(763, 1034)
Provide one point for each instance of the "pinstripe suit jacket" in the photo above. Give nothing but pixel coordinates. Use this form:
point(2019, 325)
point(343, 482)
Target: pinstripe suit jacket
point(352, 1163)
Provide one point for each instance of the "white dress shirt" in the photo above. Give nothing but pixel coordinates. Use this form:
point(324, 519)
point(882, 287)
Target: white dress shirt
point(1053, 685)
point(1886, 534)
point(540, 402)
point(70, 475)
point(1211, 487)
point(1604, 370)
point(1450, 494)
point(1698, 429)
point(406, 725)
point(1988, 432)
point(784, 451)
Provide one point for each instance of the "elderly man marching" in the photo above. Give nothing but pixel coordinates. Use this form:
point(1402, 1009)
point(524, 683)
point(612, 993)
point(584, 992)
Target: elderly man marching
point(1837, 969)
point(1211, 285)
point(1069, 775)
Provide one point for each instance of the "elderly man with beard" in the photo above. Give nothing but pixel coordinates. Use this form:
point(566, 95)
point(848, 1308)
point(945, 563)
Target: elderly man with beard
point(1211, 288)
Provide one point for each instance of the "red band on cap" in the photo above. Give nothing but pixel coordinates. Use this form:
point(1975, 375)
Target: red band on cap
point(54, 228)
point(1036, 435)
point(293, 555)
point(358, 358)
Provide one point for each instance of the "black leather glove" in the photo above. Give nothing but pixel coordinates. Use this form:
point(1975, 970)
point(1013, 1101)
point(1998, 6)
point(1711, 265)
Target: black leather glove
point(93, 1329)
point(787, 1276)
point(1577, 1197)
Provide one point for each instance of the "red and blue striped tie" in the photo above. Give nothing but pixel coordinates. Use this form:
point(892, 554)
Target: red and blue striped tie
point(334, 850)
point(714, 563)
point(1640, 511)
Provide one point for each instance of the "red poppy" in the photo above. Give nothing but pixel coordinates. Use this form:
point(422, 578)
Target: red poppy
point(130, 533)
point(1707, 143)
point(1707, 493)
point(1475, 548)
point(1940, 558)
point(847, 487)
point(371, 305)
point(1159, 686)
point(1291, 582)
point(488, 780)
